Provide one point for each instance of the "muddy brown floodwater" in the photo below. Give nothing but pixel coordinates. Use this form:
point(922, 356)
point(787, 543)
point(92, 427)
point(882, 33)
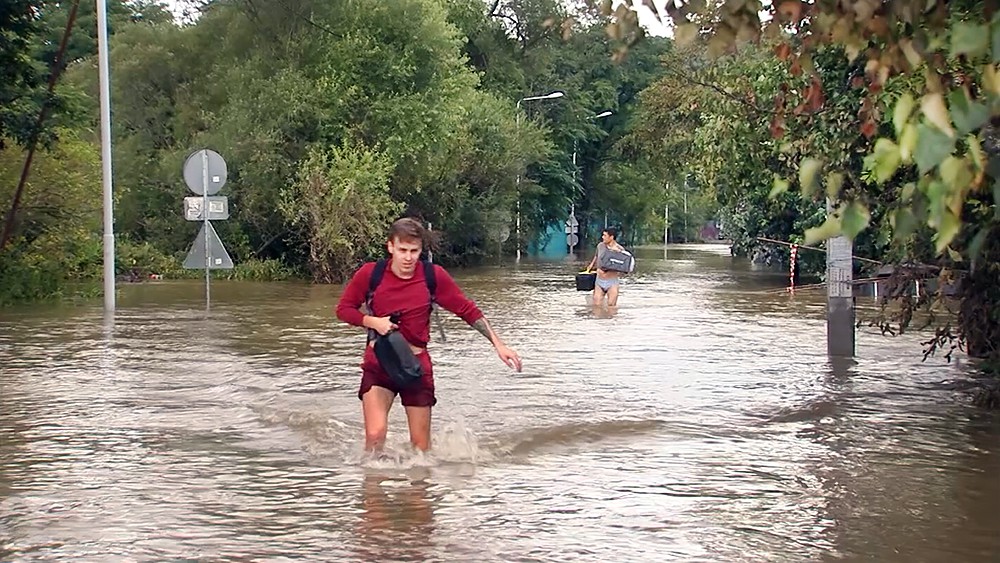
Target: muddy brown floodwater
point(700, 422)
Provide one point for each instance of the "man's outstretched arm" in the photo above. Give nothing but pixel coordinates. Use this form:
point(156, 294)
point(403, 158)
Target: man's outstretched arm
point(450, 296)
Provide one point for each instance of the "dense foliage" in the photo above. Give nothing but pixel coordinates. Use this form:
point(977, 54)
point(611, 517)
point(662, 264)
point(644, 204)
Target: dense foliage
point(883, 110)
point(334, 118)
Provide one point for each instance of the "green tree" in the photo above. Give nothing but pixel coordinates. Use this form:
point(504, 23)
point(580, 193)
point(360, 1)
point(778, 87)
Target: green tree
point(21, 82)
point(57, 238)
point(342, 204)
point(928, 184)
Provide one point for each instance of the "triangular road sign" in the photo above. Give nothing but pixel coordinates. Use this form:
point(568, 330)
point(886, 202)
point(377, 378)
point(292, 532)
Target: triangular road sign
point(218, 257)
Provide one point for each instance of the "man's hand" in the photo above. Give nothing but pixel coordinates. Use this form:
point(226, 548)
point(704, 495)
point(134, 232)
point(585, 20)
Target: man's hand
point(381, 325)
point(509, 357)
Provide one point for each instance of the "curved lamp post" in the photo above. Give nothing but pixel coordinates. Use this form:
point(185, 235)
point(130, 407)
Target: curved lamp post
point(576, 171)
point(549, 96)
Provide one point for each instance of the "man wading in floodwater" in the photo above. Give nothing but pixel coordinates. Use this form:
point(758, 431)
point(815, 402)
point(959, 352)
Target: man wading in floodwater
point(607, 282)
point(401, 303)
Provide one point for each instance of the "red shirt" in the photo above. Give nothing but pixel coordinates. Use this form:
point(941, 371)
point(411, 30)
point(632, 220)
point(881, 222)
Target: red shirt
point(408, 297)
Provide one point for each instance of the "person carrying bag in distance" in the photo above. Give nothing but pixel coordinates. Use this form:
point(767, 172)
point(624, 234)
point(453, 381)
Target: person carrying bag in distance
point(394, 298)
point(611, 260)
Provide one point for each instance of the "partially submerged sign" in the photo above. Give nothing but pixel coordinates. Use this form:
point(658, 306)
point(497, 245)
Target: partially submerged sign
point(218, 258)
point(205, 173)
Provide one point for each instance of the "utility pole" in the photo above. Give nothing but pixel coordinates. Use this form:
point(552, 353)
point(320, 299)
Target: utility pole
point(105, 95)
point(666, 218)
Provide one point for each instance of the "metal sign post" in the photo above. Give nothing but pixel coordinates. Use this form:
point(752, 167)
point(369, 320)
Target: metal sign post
point(839, 295)
point(205, 174)
point(572, 226)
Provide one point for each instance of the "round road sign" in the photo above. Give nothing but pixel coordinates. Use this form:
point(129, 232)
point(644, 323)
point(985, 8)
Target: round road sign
point(194, 172)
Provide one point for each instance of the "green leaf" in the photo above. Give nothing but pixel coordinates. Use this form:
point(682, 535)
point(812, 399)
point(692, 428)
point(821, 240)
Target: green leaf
point(995, 33)
point(854, 220)
point(933, 146)
point(936, 192)
point(901, 113)
point(907, 193)
point(829, 229)
point(779, 187)
point(996, 197)
point(908, 142)
point(932, 105)
point(991, 79)
point(886, 160)
point(883, 237)
point(852, 48)
point(954, 255)
point(957, 174)
point(967, 114)
point(910, 52)
point(808, 169)
point(976, 244)
point(976, 150)
point(969, 38)
point(834, 181)
point(807, 64)
point(949, 227)
point(904, 223)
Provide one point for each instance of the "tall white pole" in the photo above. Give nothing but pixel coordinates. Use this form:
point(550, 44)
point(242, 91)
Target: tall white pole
point(205, 227)
point(105, 92)
point(517, 135)
point(685, 208)
point(572, 204)
point(666, 224)
point(666, 215)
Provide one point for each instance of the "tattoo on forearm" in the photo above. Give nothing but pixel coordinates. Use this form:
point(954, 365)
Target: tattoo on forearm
point(484, 328)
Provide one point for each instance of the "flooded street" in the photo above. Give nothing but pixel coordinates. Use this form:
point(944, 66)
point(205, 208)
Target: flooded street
point(701, 422)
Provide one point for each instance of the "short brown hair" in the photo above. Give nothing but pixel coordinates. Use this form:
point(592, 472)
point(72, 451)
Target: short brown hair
point(408, 229)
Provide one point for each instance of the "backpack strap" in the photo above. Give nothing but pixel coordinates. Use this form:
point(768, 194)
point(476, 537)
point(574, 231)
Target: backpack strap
point(430, 277)
point(376, 278)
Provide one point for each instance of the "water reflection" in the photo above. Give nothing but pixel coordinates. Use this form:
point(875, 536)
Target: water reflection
point(701, 420)
point(395, 508)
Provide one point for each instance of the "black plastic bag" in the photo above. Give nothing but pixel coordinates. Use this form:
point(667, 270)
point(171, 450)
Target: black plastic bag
point(397, 359)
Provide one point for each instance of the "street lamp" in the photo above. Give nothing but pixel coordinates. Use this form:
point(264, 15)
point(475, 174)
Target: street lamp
point(104, 80)
point(571, 223)
point(666, 216)
point(517, 126)
point(685, 208)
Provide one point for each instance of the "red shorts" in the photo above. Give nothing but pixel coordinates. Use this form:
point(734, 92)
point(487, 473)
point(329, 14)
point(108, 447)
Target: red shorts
point(416, 395)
